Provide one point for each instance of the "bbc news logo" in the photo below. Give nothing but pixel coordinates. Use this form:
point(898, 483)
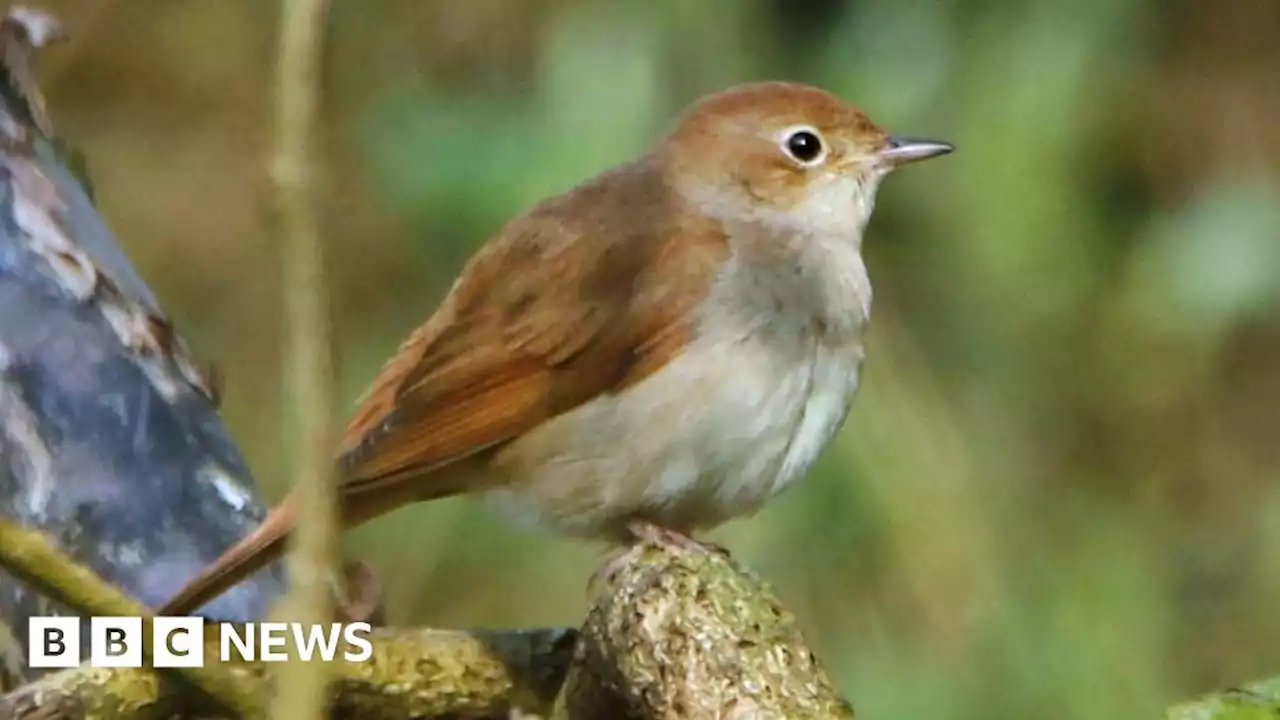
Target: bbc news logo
point(116, 642)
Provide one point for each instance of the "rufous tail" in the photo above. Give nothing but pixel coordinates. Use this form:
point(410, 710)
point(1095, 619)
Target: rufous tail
point(254, 552)
point(358, 503)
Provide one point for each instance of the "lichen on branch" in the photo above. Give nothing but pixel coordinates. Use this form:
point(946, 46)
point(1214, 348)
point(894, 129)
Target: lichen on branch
point(694, 635)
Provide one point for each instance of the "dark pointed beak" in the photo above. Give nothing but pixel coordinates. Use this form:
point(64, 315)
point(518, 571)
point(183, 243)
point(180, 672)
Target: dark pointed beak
point(903, 150)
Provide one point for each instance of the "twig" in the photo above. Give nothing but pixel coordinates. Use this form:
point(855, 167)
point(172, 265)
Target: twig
point(413, 673)
point(303, 686)
point(30, 557)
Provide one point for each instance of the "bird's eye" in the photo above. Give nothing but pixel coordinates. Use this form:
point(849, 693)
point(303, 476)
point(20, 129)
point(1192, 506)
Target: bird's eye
point(805, 146)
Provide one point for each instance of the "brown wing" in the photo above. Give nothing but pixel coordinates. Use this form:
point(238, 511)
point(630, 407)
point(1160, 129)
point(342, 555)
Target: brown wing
point(590, 292)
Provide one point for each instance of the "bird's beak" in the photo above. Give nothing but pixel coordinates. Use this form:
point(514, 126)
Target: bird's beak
point(902, 150)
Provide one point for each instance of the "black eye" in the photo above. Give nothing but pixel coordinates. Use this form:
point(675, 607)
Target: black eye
point(804, 146)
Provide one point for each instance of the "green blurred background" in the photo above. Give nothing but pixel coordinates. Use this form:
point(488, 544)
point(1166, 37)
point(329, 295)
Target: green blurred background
point(1057, 495)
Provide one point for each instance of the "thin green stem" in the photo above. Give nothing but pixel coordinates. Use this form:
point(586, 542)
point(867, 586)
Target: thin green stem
point(303, 686)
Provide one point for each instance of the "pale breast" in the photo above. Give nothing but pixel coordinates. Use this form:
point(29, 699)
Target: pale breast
point(710, 437)
point(738, 416)
point(773, 424)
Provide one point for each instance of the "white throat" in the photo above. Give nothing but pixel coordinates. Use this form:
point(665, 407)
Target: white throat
point(834, 206)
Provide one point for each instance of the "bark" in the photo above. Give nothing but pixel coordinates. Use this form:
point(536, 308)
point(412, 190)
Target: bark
point(29, 556)
point(694, 635)
point(414, 673)
point(110, 442)
point(671, 634)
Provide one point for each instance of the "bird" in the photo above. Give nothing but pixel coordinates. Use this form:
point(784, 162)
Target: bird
point(654, 352)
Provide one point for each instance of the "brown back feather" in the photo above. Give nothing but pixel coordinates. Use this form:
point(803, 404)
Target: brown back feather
point(590, 292)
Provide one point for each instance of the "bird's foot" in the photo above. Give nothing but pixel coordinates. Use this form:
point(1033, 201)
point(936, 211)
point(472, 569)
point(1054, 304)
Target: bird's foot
point(669, 539)
point(646, 535)
point(360, 595)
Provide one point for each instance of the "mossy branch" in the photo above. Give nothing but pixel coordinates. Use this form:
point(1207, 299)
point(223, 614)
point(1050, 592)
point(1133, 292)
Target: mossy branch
point(28, 555)
point(671, 634)
point(694, 635)
point(413, 673)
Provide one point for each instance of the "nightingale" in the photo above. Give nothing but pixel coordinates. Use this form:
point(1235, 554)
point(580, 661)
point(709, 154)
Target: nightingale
point(663, 348)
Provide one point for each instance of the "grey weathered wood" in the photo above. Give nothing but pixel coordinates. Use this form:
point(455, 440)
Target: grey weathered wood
point(110, 440)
